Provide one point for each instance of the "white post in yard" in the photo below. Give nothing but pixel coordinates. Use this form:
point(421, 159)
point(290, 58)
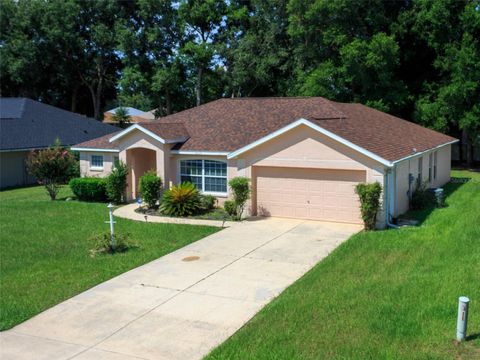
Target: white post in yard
point(462, 317)
point(112, 234)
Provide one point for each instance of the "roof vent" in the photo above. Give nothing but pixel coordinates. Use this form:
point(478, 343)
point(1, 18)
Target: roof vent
point(414, 150)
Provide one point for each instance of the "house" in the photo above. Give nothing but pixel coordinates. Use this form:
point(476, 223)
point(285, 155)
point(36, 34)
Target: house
point(27, 125)
point(136, 116)
point(304, 156)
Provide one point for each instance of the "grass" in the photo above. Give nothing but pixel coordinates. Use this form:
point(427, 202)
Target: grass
point(381, 295)
point(45, 249)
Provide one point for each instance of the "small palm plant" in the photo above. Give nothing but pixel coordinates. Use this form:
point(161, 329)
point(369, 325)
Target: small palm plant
point(122, 117)
point(181, 200)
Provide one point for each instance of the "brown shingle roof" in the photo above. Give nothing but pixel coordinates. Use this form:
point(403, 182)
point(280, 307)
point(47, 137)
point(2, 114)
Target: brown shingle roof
point(167, 131)
point(385, 135)
point(229, 124)
point(99, 143)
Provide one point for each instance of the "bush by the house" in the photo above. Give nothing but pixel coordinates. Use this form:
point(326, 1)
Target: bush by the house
point(52, 167)
point(422, 198)
point(89, 188)
point(117, 183)
point(230, 207)
point(207, 202)
point(102, 243)
point(150, 188)
point(241, 193)
point(369, 195)
point(181, 200)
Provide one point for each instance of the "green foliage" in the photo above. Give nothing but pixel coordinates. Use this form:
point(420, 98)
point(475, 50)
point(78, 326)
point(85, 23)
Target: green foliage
point(230, 208)
point(52, 167)
point(121, 117)
point(422, 198)
point(102, 243)
point(89, 188)
point(181, 200)
point(208, 202)
point(240, 187)
point(414, 59)
point(116, 183)
point(369, 195)
point(150, 188)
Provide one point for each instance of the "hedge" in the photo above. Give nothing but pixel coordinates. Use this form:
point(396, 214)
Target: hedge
point(89, 188)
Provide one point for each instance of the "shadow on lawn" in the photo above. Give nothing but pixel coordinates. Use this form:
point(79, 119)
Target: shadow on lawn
point(422, 215)
point(472, 337)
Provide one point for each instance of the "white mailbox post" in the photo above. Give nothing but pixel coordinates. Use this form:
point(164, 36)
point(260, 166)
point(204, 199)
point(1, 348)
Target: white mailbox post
point(112, 234)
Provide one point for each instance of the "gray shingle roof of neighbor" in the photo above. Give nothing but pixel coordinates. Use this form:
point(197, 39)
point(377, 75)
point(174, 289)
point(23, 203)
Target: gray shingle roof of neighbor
point(29, 124)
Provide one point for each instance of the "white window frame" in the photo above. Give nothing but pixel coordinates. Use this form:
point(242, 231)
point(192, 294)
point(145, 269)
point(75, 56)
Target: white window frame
point(97, 168)
point(203, 176)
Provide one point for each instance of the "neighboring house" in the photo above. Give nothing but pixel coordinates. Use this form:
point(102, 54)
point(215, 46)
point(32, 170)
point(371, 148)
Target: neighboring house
point(136, 116)
point(27, 125)
point(304, 156)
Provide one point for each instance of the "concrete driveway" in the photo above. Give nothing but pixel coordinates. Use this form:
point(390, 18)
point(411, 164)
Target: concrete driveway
point(183, 304)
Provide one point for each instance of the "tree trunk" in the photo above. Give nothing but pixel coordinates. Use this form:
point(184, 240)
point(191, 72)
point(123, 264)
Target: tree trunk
point(198, 87)
point(168, 102)
point(98, 99)
point(73, 105)
point(468, 148)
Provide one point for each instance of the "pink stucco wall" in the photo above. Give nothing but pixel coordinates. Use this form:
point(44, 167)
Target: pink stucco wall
point(305, 148)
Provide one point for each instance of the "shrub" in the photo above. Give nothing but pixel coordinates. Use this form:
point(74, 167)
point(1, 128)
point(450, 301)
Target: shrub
point(230, 208)
point(422, 198)
point(150, 188)
point(102, 243)
point(117, 183)
point(207, 202)
point(369, 195)
point(52, 167)
point(181, 200)
point(89, 188)
point(241, 193)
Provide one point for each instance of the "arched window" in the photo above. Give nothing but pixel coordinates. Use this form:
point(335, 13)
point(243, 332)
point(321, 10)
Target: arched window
point(209, 176)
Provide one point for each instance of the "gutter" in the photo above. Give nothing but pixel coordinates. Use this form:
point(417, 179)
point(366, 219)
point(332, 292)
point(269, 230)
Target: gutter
point(393, 163)
point(390, 197)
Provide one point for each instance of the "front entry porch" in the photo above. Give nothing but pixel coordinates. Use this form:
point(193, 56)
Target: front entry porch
point(139, 161)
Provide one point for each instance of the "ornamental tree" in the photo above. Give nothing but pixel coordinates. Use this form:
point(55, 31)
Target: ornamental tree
point(52, 167)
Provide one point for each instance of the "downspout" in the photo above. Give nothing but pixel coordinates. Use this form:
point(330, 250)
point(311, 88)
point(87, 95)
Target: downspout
point(390, 196)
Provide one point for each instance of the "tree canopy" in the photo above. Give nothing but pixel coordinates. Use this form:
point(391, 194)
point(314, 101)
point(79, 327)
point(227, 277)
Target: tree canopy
point(418, 59)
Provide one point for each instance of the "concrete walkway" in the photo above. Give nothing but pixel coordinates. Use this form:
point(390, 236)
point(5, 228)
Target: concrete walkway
point(184, 304)
point(128, 212)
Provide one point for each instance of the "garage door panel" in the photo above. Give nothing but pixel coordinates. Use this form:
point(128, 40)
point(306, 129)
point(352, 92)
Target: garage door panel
point(308, 193)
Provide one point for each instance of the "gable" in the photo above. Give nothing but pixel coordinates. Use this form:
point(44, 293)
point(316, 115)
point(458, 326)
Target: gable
point(305, 147)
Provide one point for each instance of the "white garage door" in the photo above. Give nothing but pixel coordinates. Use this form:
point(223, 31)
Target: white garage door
point(315, 194)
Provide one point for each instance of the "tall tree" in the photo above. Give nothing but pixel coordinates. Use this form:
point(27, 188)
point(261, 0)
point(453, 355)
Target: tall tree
point(259, 51)
point(202, 23)
point(347, 52)
point(452, 103)
point(94, 54)
point(149, 37)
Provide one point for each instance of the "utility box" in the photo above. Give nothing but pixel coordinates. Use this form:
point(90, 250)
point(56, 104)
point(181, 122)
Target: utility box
point(439, 197)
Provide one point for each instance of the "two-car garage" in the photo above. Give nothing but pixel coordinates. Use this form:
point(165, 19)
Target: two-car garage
point(306, 193)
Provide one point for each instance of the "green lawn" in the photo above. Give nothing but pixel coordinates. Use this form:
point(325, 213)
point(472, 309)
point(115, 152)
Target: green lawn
point(44, 249)
point(381, 295)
